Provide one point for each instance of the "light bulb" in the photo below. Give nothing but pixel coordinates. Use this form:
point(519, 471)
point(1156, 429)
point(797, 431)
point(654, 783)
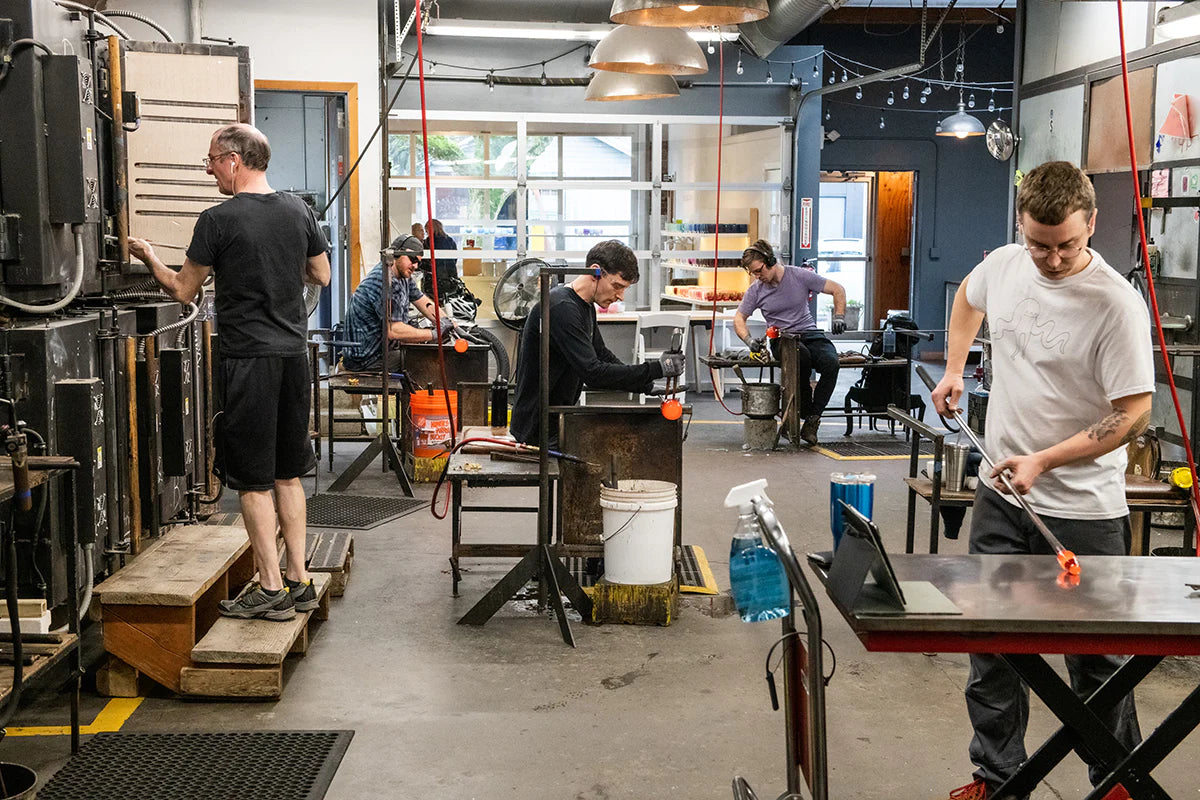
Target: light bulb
point(891, 98)
point(923, 98)
point(432, 66)
point(491, 82)
point(832, 79)
point(958, 67)
point(544, 80)
point(843, 76)
point(739, 66)
point(858, 93)
point(971, 100)
point(689, 8)
point(928, 90)
point(793, 80)
point(827, 115)
point(992, 101)
point(905, 94)
point(960, 134)
point(999, 29)
point(816, 71)
point(711, 48)
point(881, 125)
point(769, 78)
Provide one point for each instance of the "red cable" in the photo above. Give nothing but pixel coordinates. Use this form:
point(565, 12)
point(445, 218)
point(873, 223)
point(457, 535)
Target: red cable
point(437, 306)
point(712, 331)
point(1162, 341)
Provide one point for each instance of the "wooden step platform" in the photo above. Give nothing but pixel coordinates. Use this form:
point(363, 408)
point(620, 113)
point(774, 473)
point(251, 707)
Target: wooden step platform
point(164, 604)
point(329, 551)
point(244, 657)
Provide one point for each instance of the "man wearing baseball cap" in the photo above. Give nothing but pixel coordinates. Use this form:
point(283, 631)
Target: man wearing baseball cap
point(364, 320)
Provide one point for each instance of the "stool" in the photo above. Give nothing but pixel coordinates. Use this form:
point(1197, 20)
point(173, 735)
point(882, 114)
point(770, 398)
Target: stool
point(362, 384)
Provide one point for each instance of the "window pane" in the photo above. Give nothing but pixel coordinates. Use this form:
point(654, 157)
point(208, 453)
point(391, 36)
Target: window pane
point(399, 153)
point(597, 156)
point(451, 154)
point(487, 216)
point(575, 219)
point(543, 156)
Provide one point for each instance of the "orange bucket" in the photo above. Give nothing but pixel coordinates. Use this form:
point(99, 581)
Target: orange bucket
point(431, 426)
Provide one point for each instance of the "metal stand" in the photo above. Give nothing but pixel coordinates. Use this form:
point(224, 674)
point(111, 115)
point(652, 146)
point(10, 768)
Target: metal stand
point(540, 563)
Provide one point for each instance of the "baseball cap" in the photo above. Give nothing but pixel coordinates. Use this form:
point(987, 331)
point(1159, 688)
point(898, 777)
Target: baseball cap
point(407, 246)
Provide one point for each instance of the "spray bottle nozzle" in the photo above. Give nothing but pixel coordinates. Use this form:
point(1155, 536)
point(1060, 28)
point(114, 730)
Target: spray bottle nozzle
point(742, 496)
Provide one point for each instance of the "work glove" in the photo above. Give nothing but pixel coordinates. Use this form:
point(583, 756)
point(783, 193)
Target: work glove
point(839, 323)
point(446, 325)
point(757, 345)
point(672, 364)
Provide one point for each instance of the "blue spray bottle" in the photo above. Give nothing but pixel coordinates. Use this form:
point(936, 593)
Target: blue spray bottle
point(756, 576)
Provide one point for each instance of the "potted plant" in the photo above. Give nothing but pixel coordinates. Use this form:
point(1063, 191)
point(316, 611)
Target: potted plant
point(853, 314)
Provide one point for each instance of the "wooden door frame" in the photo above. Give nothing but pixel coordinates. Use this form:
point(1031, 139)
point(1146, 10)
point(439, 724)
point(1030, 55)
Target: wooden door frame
point(350, 90)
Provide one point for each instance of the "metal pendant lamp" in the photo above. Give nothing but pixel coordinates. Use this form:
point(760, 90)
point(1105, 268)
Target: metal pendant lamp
point(610, 86)
point(698, 14)
point(960, 124)
point(649, 51)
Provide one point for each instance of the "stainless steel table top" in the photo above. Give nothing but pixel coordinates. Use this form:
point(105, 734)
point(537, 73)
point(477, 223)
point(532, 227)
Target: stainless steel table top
point(495, 473)
point(1136, 603)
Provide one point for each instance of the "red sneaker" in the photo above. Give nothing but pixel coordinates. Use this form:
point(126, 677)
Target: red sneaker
point(1118, 792)
point(975, 790)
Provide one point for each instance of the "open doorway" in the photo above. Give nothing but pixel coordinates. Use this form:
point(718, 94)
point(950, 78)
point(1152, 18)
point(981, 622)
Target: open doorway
point(310, 130)
point(864, 243)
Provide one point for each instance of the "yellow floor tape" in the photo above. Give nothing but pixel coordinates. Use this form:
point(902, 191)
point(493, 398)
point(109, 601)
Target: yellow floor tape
point(837, 457)
point(109, 720)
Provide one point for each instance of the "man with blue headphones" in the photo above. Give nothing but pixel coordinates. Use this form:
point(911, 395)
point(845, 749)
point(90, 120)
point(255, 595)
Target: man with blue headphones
point(781, 293)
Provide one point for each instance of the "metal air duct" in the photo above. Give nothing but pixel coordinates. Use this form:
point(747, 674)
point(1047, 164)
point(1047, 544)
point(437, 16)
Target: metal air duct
point(787, 18)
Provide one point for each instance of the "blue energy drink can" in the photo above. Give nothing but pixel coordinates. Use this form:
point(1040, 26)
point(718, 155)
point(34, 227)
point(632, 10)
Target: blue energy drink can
point(853, 489)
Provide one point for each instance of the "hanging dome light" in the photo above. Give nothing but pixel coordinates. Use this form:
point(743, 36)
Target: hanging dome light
point(697, 14)
point(610, 86)
point(649, 51)
point(960, 124)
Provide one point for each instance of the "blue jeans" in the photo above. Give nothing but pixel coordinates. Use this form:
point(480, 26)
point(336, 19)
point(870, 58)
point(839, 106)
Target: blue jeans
point(997, 700)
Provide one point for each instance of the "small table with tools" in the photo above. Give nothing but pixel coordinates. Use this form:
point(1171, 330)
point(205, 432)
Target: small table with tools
point(489, 470)
point(1023, 606)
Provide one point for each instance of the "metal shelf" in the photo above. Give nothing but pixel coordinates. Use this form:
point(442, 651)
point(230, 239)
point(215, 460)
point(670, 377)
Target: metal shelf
point(695, 302)
point(698, 267)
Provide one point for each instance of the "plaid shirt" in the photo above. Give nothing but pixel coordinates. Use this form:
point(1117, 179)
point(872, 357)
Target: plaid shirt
point(364, 320)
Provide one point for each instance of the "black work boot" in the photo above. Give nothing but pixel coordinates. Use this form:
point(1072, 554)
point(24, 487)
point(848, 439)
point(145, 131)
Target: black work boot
point(808, 431)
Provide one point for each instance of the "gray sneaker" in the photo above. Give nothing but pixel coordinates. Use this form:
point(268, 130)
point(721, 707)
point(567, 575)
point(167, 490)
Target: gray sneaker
point(304, 595)
point(256, 603)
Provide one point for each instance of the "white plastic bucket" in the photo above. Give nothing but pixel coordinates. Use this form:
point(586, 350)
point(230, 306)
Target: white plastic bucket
point(639, 531)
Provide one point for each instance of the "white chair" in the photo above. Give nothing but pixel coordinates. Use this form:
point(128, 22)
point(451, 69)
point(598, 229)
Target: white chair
point(672, 320)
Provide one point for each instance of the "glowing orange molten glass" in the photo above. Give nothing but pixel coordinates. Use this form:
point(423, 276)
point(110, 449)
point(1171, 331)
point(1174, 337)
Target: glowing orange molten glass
point(460, 346)
point(672, 410)
point(1067, 560)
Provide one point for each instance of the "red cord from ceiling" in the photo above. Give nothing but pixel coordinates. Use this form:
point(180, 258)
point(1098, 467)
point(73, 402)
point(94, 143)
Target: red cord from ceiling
point(712, 331)
point(1158, 328)
point(437, 306)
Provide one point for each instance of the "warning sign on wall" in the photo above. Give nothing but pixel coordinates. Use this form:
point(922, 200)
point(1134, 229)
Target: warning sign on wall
point(806, 214)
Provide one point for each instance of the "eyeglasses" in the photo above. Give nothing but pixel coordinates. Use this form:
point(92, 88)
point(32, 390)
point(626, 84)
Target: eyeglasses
point(208, 161)
point(1065, 252)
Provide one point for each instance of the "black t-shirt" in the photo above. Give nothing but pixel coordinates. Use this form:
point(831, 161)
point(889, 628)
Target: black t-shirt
point(447, 268)
point(258, 246)
point(577, 357)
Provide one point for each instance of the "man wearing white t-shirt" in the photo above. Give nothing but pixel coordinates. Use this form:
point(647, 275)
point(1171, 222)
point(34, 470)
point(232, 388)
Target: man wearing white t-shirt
point(1073, 376)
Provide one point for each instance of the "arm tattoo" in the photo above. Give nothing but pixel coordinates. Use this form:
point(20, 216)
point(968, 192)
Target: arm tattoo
point(1108, 426)
point(1136, 429)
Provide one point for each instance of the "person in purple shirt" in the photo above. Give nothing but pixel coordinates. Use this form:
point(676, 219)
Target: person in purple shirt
point(781, 293)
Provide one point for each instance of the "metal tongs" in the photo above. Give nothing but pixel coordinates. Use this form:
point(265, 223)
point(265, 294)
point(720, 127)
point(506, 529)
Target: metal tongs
point(1066, 559)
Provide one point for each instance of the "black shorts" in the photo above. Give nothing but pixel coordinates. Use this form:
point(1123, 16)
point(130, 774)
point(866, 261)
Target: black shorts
point(262, 433)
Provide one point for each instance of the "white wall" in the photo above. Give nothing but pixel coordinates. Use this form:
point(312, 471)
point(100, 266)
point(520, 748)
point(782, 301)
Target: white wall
point(1060, 37)
point(294, 40)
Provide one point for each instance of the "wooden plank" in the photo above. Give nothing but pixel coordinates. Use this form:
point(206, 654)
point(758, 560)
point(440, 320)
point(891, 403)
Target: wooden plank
point(40, 662)
point(254, 641)
point(177, 569)
point(157, 640)
point(655, 604)
point(231, 682)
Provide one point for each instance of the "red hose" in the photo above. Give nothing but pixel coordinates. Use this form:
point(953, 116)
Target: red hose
point(712, 332)
point(437, 306)
point(1158, 328)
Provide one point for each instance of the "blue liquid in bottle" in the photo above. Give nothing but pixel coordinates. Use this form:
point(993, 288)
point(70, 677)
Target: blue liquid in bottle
point(756, 576)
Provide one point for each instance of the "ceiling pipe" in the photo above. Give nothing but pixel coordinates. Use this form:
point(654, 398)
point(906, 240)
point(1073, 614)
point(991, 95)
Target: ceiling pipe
point(787, 18)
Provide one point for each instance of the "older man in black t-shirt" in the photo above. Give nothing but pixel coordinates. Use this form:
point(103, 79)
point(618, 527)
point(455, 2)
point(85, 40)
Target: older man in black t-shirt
point(261, 246)
point(578, 355)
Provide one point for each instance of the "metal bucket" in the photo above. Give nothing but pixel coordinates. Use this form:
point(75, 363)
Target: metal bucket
point(17, 781)
point(760, 400)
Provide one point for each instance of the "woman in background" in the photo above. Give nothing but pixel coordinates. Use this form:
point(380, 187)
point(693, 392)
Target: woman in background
point(447, 268)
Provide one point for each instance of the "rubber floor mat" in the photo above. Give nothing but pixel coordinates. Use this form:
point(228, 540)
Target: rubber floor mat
point(357, 511)
point(281, 765)
point(854, 449)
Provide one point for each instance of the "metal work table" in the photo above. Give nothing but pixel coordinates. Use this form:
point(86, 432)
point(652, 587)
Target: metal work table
point(490, 474)
point(1020, 606)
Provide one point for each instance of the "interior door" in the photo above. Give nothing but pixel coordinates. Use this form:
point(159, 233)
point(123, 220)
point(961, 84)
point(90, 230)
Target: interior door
point(893, 241)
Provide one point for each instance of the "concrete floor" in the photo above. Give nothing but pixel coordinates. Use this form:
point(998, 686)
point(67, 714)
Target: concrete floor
point(507, 711)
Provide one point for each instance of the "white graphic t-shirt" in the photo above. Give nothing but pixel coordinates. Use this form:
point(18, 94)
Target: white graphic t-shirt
point(1062, 350)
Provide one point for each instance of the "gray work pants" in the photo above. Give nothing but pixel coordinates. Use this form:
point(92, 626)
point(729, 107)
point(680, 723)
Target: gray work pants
point(997, 699)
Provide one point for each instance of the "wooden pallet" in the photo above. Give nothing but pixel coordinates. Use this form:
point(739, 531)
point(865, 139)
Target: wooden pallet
point(158, 609)
point(244, 657)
